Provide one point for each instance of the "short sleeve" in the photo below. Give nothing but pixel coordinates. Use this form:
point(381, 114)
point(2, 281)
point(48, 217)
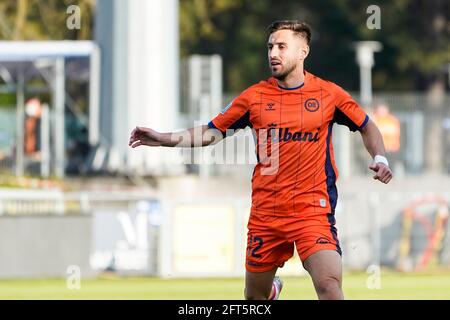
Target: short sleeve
point(348, 112)
point(234, 116)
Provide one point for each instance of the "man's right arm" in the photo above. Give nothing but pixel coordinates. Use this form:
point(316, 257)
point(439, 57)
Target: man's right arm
point(235, 116)
point(194, 137)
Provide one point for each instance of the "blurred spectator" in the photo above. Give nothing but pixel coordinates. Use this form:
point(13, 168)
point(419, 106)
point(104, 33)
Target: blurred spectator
point(33, 111)
point(390, 129)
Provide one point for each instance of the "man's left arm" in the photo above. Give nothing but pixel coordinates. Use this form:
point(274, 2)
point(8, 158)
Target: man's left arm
point(373, 141)
point(350, 114)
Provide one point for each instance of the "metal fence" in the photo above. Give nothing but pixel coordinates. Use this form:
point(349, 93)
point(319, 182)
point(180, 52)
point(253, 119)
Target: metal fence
point(404, 226)
point(424, 147)
point(119, 233)
point(424, 137)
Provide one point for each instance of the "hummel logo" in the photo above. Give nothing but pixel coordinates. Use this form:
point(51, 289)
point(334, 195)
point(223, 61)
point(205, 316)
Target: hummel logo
point(272, 125)
point(270, 106)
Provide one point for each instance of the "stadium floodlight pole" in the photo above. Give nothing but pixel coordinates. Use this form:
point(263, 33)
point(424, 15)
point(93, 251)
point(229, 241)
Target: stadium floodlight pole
point(94, 96)
point(20, 136)
point(364, 57)
point(45, 141)
point(365, 60)
point(59, 128)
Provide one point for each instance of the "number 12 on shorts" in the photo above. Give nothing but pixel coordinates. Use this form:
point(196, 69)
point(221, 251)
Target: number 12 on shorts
point(254, 244)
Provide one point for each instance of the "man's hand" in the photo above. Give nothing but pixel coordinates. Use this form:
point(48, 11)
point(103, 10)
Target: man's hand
point(142, 136)
point(383, 172)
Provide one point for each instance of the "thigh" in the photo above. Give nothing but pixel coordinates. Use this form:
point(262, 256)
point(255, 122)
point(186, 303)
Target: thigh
point(324, 264)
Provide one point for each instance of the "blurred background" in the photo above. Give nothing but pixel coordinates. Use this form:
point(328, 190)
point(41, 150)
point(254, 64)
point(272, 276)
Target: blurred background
point(77, 203)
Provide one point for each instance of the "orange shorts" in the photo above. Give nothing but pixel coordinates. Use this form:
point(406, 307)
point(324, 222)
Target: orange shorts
point(271, 239)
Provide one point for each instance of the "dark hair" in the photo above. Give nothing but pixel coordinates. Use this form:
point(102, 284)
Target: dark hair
point(299, 27)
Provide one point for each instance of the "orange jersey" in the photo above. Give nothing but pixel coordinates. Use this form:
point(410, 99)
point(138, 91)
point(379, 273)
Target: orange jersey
point(296, 173)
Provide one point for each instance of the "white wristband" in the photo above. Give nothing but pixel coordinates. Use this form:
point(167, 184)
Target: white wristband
point(381, 159)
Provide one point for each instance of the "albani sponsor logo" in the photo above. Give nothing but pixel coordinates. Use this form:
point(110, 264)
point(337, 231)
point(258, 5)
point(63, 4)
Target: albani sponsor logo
point(284, 135)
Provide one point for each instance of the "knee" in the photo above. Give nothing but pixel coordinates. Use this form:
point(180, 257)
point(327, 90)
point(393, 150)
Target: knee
point(253, 295)
point(328, 286)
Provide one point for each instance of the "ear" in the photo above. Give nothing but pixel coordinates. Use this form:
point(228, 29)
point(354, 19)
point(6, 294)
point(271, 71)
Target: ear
point(304, 51)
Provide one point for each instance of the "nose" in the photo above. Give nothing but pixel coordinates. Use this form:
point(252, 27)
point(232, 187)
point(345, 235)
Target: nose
point(273, 53)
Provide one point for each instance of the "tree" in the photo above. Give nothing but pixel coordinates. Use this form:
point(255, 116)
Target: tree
point(414, 33)
point(43, 20)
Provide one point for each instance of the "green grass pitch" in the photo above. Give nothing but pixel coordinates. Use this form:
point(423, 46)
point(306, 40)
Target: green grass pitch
point(393, 286)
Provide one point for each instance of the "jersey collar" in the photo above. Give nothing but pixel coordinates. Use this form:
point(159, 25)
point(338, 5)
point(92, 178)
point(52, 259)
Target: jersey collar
point(274, 82)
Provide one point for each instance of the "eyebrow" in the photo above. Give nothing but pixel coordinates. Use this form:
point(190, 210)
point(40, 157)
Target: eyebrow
point(270, 43)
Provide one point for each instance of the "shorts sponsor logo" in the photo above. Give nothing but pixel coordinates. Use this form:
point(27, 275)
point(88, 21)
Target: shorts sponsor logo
point(322, 240)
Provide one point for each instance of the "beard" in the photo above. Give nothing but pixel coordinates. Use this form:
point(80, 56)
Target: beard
point(283, 73)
